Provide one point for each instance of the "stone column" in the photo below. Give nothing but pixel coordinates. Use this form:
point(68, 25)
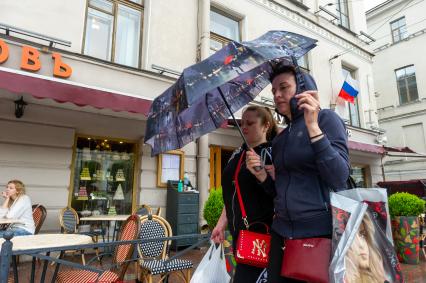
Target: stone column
point(203, 142)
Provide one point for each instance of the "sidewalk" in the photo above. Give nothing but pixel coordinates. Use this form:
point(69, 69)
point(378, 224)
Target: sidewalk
point(412, 273)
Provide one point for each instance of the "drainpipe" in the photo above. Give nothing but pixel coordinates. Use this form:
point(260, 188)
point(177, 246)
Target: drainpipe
point(203, 142)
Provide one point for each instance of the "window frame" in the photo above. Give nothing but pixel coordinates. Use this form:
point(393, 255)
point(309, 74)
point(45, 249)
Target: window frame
point(181, 154)
point(114, 14)
point(399, 30)
point(409, 100)
point(339, 11)
point(114, 139)
point(220, 38)
point(352, 73)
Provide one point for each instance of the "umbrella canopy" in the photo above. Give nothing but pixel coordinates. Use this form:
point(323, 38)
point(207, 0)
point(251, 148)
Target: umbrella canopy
point(209, 92)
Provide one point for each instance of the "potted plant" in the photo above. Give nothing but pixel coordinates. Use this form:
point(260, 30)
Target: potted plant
point(213, 207)
point(405, 209)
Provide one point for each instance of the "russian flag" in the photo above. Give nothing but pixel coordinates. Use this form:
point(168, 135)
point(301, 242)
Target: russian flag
point(349, 89)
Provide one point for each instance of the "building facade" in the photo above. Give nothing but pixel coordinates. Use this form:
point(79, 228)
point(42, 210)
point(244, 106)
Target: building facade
point(79, 141)
point(400, 32)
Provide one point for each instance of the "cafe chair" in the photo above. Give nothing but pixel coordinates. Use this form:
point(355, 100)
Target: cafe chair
point(153, 256)
point(39, 215)
point(142, 210)
point(120, 260)
point(69, 221)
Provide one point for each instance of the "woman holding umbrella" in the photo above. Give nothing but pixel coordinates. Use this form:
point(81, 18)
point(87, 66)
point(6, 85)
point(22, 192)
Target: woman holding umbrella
point(259, 128)
point(310, 157)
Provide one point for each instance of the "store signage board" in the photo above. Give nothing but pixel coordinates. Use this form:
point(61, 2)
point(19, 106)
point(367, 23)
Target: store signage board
point(30, 60)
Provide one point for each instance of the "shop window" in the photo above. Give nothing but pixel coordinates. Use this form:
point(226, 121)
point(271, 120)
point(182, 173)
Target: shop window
point(358, 173)
point(113, 31)
point(223, 28)
point(354, 119)
point(398, 29)
point(407, 84)
point(103, 176)
point(170, 167)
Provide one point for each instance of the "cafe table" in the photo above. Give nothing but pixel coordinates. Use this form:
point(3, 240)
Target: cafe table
point(107, 218)
point(41, 241)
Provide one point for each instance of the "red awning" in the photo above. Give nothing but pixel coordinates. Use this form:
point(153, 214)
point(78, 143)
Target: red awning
point(399, 149)
point(65, 91)
point(366, 147)
point(416, 187)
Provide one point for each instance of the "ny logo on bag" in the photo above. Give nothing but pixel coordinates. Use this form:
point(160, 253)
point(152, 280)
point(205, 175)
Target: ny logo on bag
point(260, 247)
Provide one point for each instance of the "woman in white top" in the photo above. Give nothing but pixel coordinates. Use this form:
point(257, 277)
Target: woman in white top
point(17, 205)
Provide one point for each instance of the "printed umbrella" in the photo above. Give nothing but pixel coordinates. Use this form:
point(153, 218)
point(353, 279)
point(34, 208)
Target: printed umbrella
point(209, 92)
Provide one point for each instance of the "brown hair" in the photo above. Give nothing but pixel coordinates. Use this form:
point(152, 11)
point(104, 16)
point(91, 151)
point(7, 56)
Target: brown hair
point(266, 117)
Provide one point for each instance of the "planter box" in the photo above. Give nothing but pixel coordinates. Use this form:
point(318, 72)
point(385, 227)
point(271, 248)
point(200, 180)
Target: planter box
point(406, 234)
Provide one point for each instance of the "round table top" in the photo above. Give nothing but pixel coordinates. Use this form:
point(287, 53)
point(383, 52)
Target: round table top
point(9, 220)
point(41, 241)
point(106, 217)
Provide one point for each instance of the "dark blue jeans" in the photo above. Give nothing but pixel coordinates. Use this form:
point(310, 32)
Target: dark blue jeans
point(16, 232)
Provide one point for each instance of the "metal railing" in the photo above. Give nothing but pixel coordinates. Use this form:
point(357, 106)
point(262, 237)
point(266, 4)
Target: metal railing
point(51, 40)
point(7, 254)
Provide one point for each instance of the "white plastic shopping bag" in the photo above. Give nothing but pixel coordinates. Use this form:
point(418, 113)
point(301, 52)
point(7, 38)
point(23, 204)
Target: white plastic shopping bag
point(212, 268)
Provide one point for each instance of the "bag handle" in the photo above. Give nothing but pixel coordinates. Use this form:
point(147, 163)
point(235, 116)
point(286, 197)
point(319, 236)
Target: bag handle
point(258, 222)
point(237, 188)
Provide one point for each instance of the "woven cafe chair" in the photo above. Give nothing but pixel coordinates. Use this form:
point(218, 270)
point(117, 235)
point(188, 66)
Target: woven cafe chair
point(39, 215)
point(69, 221)
point(122, 253)
point(153, 255)
point(142, 210)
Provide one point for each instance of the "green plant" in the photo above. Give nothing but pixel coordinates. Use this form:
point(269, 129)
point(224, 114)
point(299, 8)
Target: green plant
point(213, 207)
point(405, 204)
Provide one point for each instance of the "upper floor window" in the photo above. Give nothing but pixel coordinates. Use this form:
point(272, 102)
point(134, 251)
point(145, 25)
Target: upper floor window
point(343, 13)
point(398, 29)
point(354, 119)
point(407, 84)
point(223, 28)
point(304, 62)
point(113, 31)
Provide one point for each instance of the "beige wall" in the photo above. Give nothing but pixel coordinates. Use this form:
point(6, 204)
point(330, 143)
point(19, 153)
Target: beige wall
point(394, 117)
point(170, 39)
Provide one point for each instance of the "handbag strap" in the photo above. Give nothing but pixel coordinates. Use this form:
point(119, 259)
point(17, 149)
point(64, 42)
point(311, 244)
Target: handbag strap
point(237, 188)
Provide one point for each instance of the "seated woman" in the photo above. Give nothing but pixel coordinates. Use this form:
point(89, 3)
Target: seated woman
point(17, 205)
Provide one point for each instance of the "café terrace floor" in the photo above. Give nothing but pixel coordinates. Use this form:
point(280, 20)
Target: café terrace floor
point(412, 273)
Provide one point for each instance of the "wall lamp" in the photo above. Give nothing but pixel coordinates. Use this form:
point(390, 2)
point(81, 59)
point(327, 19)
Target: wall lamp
point(20, 107)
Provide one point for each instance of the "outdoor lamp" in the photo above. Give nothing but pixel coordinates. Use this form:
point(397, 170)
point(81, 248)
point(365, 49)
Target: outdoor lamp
point(19, 107)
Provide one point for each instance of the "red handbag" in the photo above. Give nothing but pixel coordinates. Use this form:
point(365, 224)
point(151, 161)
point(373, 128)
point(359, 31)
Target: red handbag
point(307, 259)
point(252, 247)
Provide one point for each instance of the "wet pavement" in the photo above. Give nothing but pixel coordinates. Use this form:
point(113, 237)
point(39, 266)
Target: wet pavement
point(412, 273)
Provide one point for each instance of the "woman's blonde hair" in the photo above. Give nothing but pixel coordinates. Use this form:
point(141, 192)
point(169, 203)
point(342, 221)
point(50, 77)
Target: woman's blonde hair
point(20, 189)
point(375, 272)
point(266, 117)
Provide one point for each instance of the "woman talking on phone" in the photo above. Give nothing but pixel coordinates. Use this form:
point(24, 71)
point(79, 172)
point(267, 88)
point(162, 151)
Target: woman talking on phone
point(310, 157)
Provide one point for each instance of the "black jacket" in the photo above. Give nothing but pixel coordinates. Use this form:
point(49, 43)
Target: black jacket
point(257, 203)
point(305, 172)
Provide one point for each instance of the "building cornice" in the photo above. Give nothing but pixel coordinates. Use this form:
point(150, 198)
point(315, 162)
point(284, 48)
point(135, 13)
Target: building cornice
point(311, 23)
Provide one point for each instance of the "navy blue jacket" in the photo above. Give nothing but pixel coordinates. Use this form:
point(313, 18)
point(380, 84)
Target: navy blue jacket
point(305, 172)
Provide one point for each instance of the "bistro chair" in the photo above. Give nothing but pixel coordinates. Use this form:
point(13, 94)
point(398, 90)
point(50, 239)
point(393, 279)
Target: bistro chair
point(39, 215)
point(69, 221)
point(120, 259)
point(153, 256)
point(158, 212)
point(142, 210)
